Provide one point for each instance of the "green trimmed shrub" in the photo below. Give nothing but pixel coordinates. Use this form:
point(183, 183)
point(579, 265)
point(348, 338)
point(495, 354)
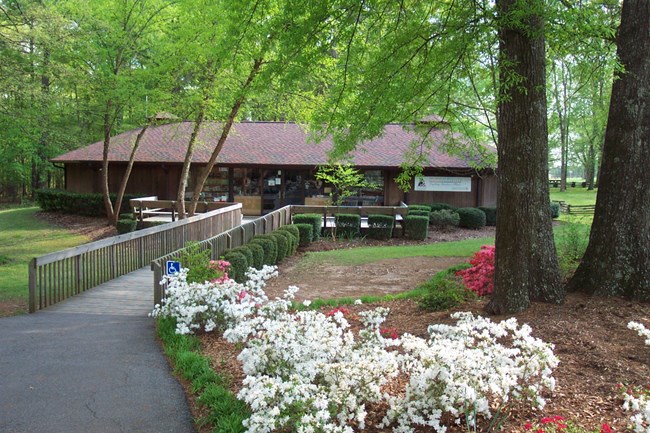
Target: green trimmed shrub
point(295, 233)
point(125, 226)
point(246, 252)
point(270, 250)
point(380, 226)
point(420, 212)
point(348, 225)
point(149, 224)
point(290, 241)
point(441, 206)
point(282, 246)
point(490, 215)
point(416, 227)
point(258, 254)
point(555, 210)
point(315, 220)
point(126, 216)
point(425, 207)
point(305, 231)
point(444, 218)
point(471, 218)
point(291, 228)
point(238, 265)
point(55, 200)
point(445, 290)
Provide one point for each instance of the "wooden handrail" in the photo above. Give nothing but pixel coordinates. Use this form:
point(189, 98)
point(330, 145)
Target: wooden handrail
point(59, 275)
point(219, 244)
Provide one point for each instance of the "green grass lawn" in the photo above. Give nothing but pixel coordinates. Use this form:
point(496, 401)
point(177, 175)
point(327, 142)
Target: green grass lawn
point(22, 237)
point(574, 196)
point(363, 255)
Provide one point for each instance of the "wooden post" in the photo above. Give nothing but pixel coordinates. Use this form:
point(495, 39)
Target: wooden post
point(32, 285)
point(157, 288)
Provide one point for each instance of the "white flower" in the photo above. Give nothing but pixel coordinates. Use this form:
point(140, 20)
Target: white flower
point(306, 303)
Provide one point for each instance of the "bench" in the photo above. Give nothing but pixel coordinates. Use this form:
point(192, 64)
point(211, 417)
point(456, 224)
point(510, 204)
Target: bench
point(151, 207)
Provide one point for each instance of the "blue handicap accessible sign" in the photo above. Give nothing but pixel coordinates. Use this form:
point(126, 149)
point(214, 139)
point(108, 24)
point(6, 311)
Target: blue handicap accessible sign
point(173, 267)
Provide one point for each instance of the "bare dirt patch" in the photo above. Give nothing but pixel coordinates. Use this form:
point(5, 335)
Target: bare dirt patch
point(384, 277)
point(93, 228)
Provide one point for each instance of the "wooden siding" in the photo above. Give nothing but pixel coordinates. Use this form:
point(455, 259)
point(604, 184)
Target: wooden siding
point(145, 179)
point(488, 195)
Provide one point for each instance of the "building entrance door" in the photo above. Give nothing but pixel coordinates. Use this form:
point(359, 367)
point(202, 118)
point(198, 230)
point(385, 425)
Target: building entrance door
point(293, 188)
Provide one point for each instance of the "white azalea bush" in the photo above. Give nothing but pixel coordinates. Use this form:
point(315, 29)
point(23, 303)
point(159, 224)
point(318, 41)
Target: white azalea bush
point(308, 372)
point(639, 404)
point(209, 305)
point(465, 370)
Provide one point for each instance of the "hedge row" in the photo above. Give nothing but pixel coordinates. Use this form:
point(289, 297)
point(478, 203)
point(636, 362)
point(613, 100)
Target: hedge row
point(416, 227)
point(348, 225)
point(445, 215)
point(381, 226)
point(268, 249)
point(91, 204)
point(315, 220)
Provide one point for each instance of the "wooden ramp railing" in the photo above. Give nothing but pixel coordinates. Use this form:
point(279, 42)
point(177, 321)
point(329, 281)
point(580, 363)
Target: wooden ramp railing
point(219, 244)
point(60, 275)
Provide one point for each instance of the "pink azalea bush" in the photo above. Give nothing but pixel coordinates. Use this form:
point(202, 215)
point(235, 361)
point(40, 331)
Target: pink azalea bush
point(480, 277)
point(219, 270)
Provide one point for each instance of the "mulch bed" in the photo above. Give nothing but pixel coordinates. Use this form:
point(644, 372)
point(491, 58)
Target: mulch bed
point(94, 228)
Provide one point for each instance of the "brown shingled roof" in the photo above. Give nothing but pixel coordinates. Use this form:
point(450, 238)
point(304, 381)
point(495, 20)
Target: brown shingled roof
point(260, 143)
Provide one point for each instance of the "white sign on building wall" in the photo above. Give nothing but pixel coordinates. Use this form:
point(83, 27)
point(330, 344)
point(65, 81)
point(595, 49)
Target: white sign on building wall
point(443, 183)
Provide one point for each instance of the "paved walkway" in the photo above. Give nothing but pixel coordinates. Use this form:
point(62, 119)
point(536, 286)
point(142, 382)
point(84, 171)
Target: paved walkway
point(90, 364)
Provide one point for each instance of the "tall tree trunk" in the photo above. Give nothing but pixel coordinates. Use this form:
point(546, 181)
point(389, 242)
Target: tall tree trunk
point(185, 171)
point(224, 135)
point(590, 166)
point(127, 173)
point(110, 214)
point(617, 260)
point(43, 141)
point(562, 112)
point(526, 265)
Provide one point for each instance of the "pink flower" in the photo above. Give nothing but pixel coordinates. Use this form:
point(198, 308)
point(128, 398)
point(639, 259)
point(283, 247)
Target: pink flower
point(605, 428)
point(528, 426)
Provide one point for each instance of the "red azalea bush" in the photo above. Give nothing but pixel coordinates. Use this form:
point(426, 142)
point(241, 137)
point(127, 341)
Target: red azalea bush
point(558, 424)
point(480, 277)
point(389, 333)
point(342, 310)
